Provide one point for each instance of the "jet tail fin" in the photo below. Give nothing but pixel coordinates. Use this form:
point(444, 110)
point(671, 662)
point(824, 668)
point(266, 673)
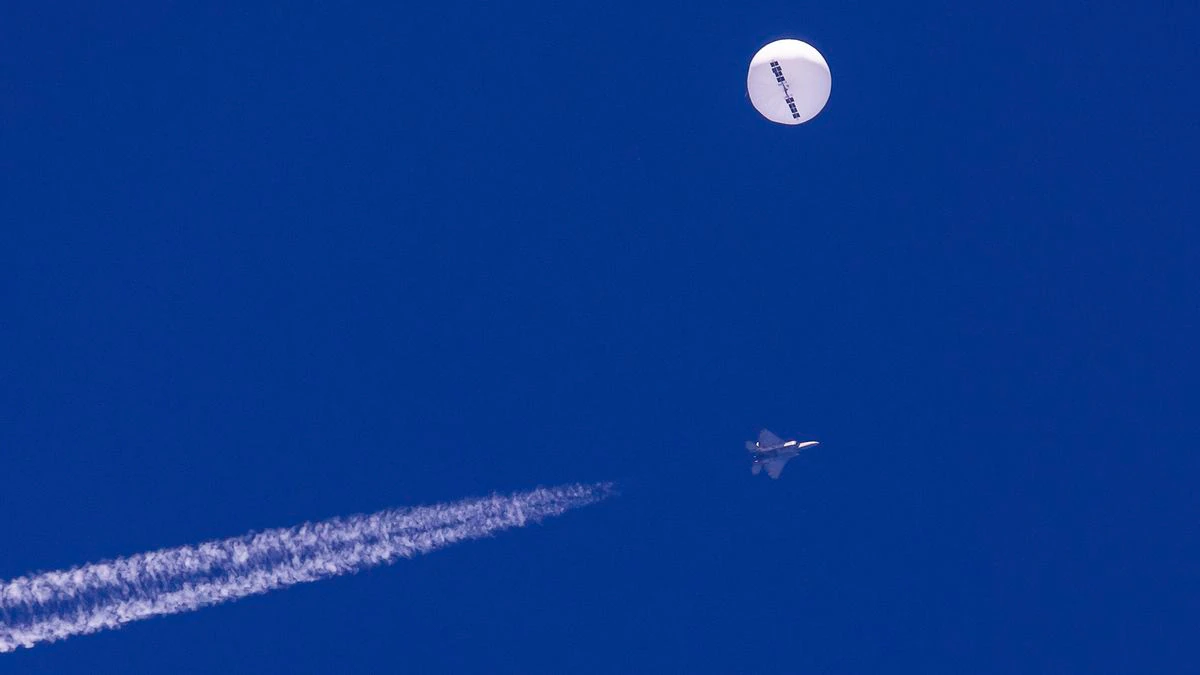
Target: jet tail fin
point(755, 468)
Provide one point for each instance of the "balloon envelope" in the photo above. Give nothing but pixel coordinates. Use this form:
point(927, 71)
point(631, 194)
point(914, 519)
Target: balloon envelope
point(788, 82)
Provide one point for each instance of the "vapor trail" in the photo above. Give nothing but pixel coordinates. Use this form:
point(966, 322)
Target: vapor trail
point(57, 605)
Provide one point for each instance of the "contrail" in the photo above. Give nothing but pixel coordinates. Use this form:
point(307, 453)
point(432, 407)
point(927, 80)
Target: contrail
point(57, 605)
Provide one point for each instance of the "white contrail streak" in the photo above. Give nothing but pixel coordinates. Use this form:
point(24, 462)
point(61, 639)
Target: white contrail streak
point(57, 605)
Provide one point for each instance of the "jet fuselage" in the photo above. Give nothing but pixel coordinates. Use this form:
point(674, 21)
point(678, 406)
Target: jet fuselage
point(786, 450)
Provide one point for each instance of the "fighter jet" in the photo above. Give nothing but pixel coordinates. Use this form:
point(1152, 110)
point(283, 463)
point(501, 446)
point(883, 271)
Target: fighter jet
point(773, 452)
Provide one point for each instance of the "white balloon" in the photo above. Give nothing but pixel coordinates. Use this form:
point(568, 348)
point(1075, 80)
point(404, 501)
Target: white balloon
point(788, 82)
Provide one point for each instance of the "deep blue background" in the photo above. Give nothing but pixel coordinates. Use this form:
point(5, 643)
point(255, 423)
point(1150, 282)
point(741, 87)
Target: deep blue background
point(267, 264)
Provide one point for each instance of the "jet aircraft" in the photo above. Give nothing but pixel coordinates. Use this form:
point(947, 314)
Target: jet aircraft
point(773, 452)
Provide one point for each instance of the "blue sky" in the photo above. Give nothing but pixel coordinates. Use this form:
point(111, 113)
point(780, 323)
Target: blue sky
point(268, 264)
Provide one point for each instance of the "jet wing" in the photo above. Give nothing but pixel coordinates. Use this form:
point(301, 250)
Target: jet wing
point(775, 467)
point(766, 439)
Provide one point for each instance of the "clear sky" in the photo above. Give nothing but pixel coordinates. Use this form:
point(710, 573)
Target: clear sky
point(267, 264)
